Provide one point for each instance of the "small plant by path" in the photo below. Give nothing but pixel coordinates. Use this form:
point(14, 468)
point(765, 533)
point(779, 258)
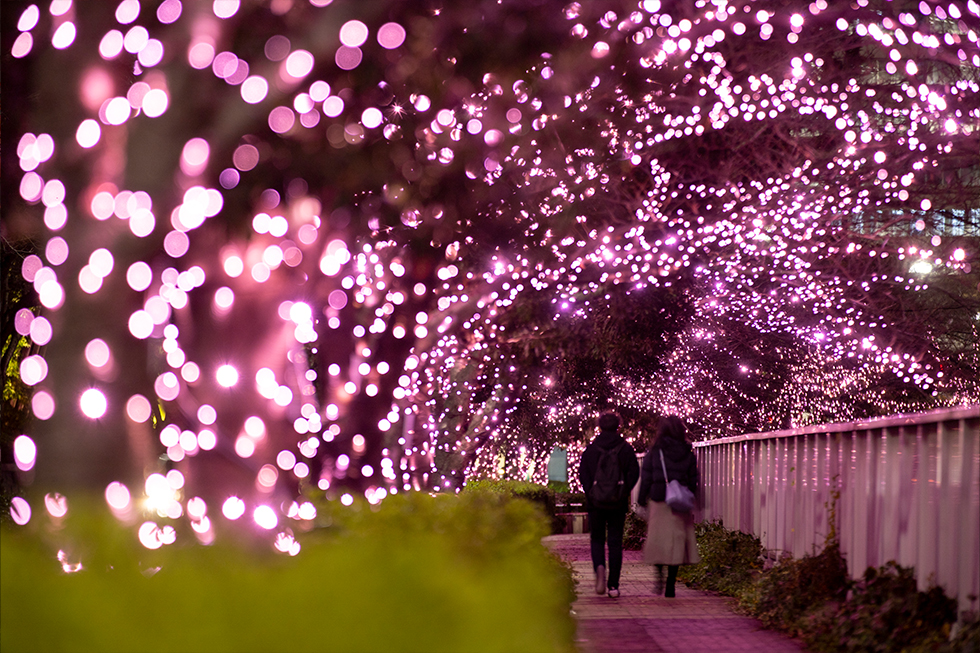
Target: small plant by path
point(730, 560)
point(634, 532)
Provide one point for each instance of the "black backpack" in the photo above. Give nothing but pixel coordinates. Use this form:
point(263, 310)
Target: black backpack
point(608, 487)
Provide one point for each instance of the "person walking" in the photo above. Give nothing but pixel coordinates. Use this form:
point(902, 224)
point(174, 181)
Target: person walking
point(608, 472)
point(670, 534)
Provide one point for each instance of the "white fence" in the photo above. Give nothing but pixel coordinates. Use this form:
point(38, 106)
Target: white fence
point(909, 492)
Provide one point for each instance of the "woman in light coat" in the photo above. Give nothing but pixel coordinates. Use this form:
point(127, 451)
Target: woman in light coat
point(670, 535)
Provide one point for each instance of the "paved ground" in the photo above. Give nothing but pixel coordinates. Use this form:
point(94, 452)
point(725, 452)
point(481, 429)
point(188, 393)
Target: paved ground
point(639, 622)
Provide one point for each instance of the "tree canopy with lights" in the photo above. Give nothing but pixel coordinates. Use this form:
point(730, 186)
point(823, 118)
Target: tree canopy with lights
point(290, 246)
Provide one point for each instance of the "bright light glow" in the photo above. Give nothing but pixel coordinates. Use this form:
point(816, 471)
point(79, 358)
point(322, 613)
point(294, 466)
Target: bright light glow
point(233, 508)
point(28, 18)
point(150, 535)
point(255, 427)
point(21, 48)
point(267, 477)
point(254, 89)
point(225, 8)
point(265, 517)
point(244, 446)
point(921, 266)
point(33, 370)
point(353, 34)
point(207, 440)
point(117, 111)
point(196, 508)
point(117, 496)
point(25, 453)
point(226, 376)
point(56, 504)
point(139, 276)
point(88, 133)
point(20, 511)
point(190, 372)
point(155, 103)
point(371, 118)
point(93, 403)
point(42, 405)
point(286, 460)
point(97, 353)
point(390, 35)
point(194, 157)
point(298, 64)
point(64, 36)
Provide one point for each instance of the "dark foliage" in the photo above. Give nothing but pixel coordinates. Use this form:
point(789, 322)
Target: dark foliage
point(787, 592)
point(885, 612)
point(730, 560)
point(634, 532)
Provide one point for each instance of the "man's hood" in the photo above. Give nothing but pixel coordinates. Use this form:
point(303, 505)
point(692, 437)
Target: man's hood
point(608, 439)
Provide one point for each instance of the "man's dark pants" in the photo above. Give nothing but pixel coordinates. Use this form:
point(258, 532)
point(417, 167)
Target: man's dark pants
point(601, 519)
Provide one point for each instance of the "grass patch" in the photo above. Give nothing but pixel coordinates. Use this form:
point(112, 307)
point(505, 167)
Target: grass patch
point(420, 573)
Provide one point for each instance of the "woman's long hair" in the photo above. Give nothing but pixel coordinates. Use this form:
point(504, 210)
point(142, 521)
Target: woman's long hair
point(671, 428)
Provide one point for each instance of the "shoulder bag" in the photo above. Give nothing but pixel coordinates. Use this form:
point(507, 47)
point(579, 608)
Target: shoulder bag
point(679, 497)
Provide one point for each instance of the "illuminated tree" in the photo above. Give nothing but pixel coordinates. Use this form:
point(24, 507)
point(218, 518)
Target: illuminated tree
point(299, 244)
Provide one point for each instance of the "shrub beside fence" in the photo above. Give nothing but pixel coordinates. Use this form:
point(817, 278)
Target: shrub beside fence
point(812, 598)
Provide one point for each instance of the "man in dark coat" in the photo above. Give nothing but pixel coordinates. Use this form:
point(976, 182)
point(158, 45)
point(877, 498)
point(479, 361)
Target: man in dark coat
point(612, 518)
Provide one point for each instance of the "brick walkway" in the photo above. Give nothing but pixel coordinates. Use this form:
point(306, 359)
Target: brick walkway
point(639, 622)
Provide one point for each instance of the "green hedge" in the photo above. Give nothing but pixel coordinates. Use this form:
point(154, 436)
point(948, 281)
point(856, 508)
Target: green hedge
point(418, 573)
point(540, 495)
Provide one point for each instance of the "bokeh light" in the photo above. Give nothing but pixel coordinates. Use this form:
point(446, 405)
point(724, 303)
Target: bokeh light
point(265, 517)
point(93, 403)
point(25, 453)
point(20, 511)
point(226, 376)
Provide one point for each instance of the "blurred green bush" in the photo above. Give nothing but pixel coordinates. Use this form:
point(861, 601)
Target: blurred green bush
point(540, 495)
point(417, 573)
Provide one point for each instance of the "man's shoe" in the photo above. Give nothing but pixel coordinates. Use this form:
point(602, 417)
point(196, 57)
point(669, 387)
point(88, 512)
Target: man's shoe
point(600, 580)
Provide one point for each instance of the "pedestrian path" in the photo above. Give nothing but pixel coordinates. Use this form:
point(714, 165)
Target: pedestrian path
point(639, 622)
